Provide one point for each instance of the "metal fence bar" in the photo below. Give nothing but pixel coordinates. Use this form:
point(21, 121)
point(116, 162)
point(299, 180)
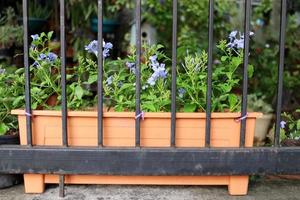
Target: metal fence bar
point(174, 64)
point(63, 73)
point(27, 74)
point(280, 71)
point(100, 73)
point(245, 70)
point(137, 72)
point(61, 186)
point(209, 72)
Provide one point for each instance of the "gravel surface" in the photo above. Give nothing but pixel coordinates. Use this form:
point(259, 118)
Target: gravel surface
point(260, 190)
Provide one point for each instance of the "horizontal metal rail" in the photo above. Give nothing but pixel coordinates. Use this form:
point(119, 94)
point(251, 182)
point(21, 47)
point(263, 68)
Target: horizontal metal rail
point(140, 161)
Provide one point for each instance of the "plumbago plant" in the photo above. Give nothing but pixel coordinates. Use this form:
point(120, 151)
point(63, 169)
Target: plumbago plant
point(119, 85)
point(119, 77)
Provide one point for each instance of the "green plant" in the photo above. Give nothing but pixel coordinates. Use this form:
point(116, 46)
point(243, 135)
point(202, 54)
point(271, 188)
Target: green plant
point(257, 103)
point(38, 9)
point(266, 49)
point(193, 22)
point(11, 97)
point(290, 127)
point(10, 32)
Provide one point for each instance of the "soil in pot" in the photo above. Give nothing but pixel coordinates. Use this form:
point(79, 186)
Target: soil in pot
point(8, 180)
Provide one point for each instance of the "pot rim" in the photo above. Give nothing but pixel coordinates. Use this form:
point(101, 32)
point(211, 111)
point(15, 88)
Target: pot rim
point(53, 113)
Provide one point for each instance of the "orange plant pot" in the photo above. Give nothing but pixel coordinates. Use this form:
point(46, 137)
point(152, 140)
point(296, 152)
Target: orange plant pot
point(119, 131)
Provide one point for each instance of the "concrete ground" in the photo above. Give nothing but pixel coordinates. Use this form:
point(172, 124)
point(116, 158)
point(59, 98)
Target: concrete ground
point(263, 189)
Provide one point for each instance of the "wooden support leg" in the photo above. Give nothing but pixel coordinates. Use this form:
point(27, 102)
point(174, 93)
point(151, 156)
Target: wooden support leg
point(34, 183)
point(238, 185)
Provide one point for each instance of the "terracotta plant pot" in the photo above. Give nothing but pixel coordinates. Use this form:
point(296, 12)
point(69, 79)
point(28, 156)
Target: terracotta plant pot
point(261, 129)
point(119, 131)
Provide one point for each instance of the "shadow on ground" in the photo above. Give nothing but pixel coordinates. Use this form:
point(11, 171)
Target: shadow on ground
point(260, 190)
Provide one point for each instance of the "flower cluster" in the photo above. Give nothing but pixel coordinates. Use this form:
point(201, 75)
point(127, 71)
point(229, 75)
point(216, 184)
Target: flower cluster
point(49, 57)
point(92, 47)
point(159, 70)
point(131, 67)
point(236, 40)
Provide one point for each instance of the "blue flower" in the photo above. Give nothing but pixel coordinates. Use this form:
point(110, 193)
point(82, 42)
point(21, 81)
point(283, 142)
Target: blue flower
point(35, 37)
point(236, 40)
point(181, 92)
point(2, 71)
point(109, 80)
point(153, 58)
point(52, 57)
point(131, 67)
point(105, 53)
point(36, 64)
point(92, 47)
point(107, 45)
point(282, 124)
point(233, 34)
point(159, 70)
point(42, 56)
point(154, 62)
point(151, 81)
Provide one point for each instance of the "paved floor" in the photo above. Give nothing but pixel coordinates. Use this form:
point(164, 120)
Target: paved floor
point(260, 190)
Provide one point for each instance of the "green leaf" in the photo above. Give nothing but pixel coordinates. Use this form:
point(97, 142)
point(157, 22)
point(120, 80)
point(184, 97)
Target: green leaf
point(49, 35)
point(298, 124)
point(232, 101)
point(189, 108)
point(78, 92)
point(42, 35)
point(223, 58)
point(34, 105)
point(149, 107)
point(93, 78)
point(3, 128)
point(17, 100)
point(236, 61)
point(250, 71)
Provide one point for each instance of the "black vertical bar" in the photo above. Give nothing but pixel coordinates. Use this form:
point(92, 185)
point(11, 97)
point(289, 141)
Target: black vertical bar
point(63, 73)
point(100, 73)
point(138, 75)
point(280, 71)
point(209, 72)
point(245, 70)
point(174, 64)
point(27, 74)
point(61, 186)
